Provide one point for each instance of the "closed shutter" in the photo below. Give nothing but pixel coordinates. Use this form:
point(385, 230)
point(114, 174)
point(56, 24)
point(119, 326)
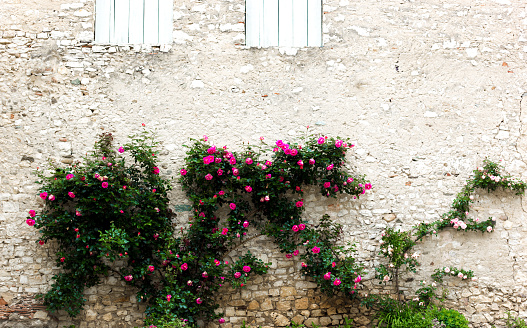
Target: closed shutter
point(133, 21)
point(284, 23)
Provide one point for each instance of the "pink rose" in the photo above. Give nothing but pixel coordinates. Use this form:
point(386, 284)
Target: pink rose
point(43, 195)
point(303, 265)
point(51, 197)
point(311, 161)
point(151, 268)
point(189, 283)
point(329, 167)
point(301, 226)
point(30, 222)
point(288, 256)
point(211, 150)
point(246, 268)
point(205, 274)
point(327, 276)
point(235, 171)
point(62, 259)
point(489, 229)
point(224, 231)
point(296, 252)
point(208, 177)
point(129, 277)
point(78, 213)
point(294, 152)
point(299, 203)
point(121, 150)
point(358, 279)
point(295, 228)
point(249, 161)
point(156, 170)
point(221, 193)
point(169, 297)
point(183, 172)
point(321, 140)
point(220, 172)
point(199, 301)
point(336, 282)
point(367, 186)
point(221, 320)
point(232, 160)
point(104, 184)
point(205, 138)
point(71, 194)
point(232, 206)
point(327, 184)
point(338, 143)
point(350, 180)
point(41, 242)
point(245, 224)
point(32, 213)
point(300, 163)
point(184, 266)
point(315, 250)
point(69, 176)
point(237, 275)
point(248, 188)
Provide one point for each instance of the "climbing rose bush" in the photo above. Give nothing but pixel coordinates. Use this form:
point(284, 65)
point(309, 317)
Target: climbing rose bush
point(111, 207)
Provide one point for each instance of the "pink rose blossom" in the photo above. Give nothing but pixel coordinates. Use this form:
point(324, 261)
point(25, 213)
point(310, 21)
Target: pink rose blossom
point(358, 279)
point(266, 198)
point(367, 186)
point(217, 160)
point(78, 213)
point(199, 301)
point(232, 206)
point(156, 170)
point(245, 224)
point(296, 252)
point(71, 194)
point(248, 188)
point(183, 172)
point(41, 242)
point(333, 264)
point(321, 140)
point(62, 259)
point(294, 152)
point(151, 268)
point(327, 276)
point(129, 277)
point(104, 184)
point(327, 184)
point(235, 171)
point(221, 319)
point(51, 197)
point(68, 177)
point(211, 150)
point(315, 250)
point(224, 231)
point(205, 274)
point(350, 180)
point(311, 161)
point(246, 268)
point(303, 265)
point(189, 283)
point(489, 229)
point(208, 177)
point(43, 195)
point(205, 138)
point(249, 161)
point(338, 143)
point(32, 213)
point(237, 275)
point(386, 278)
point(30, 222)
point(336, 282)
point(121, 150)
point(232, 160)
point(295, 228)
point(221, 193)
point(329, 167)
point(300, 163)
point(220, 172)
point(288, 256)
point(299, 203)
point(169, 297)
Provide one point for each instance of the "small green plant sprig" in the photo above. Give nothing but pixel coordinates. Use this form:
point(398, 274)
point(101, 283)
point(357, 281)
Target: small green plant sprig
point(396, 246)
point(102, 210)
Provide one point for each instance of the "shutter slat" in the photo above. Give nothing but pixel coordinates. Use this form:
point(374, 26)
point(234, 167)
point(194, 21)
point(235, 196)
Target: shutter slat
point(314, 23)
point(166, 21)
point(151, 22)
point(135, 25)
point(112, 21)
point(285, 23)
point(269, 24)
point(122, 11)
point(102, 21)
point(253, 8)
point(299, 23)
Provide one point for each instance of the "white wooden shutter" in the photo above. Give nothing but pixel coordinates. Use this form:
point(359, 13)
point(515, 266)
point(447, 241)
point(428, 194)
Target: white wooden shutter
point(133, 21)
point(286, 23)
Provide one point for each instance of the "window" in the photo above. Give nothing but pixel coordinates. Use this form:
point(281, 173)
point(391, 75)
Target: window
point(284, 23)
point(133, 21)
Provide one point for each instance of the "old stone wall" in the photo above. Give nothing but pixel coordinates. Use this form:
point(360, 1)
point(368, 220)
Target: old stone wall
point(426, 89)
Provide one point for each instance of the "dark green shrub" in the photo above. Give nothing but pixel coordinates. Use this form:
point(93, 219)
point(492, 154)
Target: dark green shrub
point(452, 318)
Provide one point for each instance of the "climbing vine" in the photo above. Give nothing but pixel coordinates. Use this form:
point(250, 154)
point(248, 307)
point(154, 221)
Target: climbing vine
point(110, 213)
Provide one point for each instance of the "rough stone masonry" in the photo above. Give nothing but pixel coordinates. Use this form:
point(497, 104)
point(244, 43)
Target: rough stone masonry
point(426, 89)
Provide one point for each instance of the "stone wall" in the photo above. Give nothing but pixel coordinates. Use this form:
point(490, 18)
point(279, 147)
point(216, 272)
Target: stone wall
point(426, 89)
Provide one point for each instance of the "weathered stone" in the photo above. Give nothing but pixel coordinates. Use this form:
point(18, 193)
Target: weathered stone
point(253, 305)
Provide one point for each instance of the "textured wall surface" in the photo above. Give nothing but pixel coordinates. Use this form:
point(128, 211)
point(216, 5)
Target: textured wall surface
point(426, 90)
